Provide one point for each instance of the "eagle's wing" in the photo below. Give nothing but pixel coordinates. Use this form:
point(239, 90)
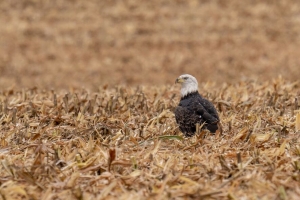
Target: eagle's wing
point(209, 107)
point(203, 112)
point(211, 119)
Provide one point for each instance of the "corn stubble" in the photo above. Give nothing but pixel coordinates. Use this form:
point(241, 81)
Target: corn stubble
point(124, 143)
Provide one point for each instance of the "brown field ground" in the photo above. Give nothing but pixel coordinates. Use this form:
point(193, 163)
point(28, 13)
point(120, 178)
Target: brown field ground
point(87, 94)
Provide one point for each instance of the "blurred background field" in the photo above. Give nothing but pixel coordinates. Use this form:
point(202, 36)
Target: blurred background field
point(64, 44)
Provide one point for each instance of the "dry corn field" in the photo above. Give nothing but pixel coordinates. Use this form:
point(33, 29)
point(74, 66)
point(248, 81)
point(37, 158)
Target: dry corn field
point(123, 143)
point(87, 97)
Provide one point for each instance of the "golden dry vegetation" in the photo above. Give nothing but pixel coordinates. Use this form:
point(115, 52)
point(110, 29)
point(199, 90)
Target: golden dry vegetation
point(124, 144)
point(87, 99)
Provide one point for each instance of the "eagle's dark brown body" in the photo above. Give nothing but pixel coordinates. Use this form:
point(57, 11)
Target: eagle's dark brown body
point(193, 109)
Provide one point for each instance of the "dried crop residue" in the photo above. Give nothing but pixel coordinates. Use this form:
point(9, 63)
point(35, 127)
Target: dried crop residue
point(123, 143)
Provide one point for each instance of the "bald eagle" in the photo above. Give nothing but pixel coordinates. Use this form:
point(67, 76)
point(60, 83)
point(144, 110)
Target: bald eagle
point(193, 108)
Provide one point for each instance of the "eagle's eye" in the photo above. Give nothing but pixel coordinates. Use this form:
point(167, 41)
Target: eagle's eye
point(185, 78)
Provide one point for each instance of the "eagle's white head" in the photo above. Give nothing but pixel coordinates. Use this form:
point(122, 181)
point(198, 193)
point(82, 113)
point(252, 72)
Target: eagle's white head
point(188, 83)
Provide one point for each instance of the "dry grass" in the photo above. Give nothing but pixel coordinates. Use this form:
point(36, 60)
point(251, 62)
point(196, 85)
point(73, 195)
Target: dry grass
point(123, 143)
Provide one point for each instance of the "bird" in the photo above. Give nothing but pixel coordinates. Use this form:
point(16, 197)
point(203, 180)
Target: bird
point(194, 109)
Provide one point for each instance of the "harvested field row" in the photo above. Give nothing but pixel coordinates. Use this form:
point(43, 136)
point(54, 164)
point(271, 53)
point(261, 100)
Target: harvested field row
point(124, 143)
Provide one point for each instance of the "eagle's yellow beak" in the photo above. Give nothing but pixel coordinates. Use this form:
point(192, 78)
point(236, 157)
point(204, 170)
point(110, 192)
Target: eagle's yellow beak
point(179, 80)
